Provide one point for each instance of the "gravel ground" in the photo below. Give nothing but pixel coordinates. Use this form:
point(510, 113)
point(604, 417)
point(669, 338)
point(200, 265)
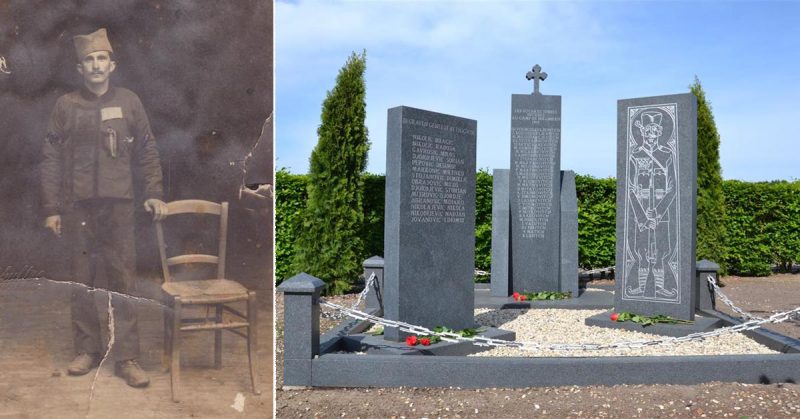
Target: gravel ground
point(546, 326)
point(758, 295)
point(712, 400)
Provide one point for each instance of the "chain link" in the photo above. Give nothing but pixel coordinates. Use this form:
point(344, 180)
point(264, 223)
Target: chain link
point(338, 315)
point(534, 346)
point(605, 270)
point(728, 301)
point(754, 322)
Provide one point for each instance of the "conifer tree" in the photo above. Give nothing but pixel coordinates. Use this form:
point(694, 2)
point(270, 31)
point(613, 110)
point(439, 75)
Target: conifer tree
point(710, 196)
point(328, 245)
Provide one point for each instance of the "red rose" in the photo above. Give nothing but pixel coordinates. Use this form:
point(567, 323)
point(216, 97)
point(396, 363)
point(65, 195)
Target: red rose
point(523, 297)
point(516, 296)
point(614, 316)
point(425, 341)
point(411, 340)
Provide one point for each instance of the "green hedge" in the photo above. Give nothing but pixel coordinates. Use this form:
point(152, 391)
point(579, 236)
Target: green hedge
point(290, 200)
point(483, 220)
point(597, 226)
point(762, 224)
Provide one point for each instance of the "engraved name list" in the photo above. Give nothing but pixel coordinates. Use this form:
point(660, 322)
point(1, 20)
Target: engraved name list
point(438, 178)
point(535, 148)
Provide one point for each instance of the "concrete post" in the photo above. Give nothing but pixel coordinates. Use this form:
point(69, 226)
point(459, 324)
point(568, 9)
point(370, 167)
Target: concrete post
point(300, 327)
point(374, 265)
point(704, 297)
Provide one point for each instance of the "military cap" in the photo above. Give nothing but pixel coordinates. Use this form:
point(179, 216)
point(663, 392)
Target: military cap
point(95, 41)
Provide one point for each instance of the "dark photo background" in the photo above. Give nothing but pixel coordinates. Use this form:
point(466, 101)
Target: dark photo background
point(203, 71)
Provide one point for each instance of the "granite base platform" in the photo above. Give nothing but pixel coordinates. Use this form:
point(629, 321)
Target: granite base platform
point(377, 345)
point(346, 357)
point(350, 358)
point(349, 336)
point(701, 324)
point(359, 360)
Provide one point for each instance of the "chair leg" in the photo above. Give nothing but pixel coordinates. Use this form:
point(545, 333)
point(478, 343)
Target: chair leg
point(218, 340)
point(175, 359)
point(167, 355)
point(252, 355)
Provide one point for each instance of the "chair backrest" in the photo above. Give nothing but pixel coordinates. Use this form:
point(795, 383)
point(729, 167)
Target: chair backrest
point(195, 206)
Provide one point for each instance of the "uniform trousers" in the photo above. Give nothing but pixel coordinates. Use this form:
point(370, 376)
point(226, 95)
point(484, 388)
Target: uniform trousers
point(100, 232)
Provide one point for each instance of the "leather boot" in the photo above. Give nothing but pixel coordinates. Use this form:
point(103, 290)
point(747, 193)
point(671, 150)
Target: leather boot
point(83, 363)
point(132, 373)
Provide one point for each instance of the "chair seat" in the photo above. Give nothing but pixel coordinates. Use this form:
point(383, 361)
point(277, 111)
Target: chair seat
point(206, 291)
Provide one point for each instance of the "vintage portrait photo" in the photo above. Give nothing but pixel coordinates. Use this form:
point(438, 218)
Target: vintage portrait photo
point(136, 208)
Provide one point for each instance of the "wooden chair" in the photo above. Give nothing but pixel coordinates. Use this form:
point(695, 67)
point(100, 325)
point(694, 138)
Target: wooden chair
point(216, 293)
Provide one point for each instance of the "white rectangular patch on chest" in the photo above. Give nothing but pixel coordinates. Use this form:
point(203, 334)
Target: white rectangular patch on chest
point(111, 113)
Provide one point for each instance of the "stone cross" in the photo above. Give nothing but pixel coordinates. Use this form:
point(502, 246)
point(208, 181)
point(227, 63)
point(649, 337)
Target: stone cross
point(536, 75)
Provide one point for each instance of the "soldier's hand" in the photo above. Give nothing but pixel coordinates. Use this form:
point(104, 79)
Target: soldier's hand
point(156, 207)
point(53, 223)
point(651, 223)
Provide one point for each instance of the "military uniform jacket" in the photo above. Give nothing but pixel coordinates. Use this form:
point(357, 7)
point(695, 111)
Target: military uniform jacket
point(95, 148)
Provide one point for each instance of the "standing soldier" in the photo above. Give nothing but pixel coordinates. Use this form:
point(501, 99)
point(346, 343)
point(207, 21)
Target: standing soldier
point(98, 141)
point(652, 200)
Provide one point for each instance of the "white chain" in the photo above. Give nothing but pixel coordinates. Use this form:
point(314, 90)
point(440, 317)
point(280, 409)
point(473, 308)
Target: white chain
point(340, 315)
point(728, 301)
point(533, 346)
point(368, 283)
point(753, 323)
point(598, 271)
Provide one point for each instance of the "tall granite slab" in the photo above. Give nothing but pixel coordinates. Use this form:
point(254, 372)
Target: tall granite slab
point(534, 196)
point(656, 205)
point(429, 240)
point(569, 234)
point(501, 231)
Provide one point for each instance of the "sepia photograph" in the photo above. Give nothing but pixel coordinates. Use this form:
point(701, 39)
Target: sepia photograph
point(136, 209)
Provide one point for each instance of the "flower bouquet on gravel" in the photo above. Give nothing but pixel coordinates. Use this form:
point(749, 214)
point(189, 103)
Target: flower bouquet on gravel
point(624, 316)
point(414, 340)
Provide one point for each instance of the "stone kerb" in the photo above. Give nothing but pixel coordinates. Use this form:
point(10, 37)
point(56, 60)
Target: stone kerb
point(301, 327)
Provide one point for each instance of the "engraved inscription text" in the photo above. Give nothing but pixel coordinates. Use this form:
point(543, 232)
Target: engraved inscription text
point(438, 178)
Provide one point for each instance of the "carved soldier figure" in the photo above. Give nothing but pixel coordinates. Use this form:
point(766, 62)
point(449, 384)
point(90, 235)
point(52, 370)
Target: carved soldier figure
point(651, 195)
point(99, 145)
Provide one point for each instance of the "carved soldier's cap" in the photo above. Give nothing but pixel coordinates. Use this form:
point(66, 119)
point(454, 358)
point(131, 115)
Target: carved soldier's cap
point(651, 118)
point(95, 41)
